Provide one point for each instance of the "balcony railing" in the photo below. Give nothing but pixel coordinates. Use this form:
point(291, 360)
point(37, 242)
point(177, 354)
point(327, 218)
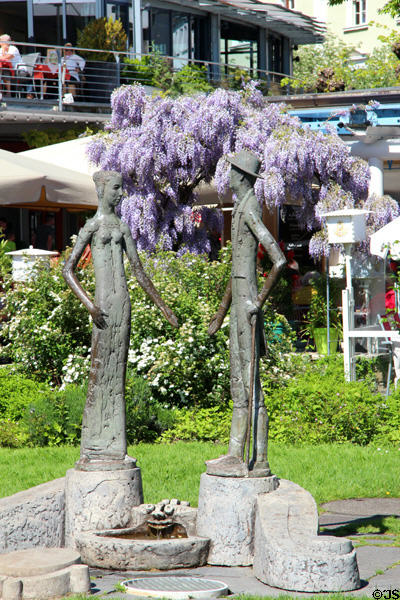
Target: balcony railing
point(42, 77)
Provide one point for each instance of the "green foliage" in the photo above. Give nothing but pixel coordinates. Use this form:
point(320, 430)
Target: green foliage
point(333, 58)
point(155, 70)
point(36, 138)
point(184, 366)
point(11, 434)
point(317, 313)
point(102, 34)
point(146, 419)
point(140, 69)
point(5, 262)
point(55, 421)
point(17, 392)
point(190, 79)
point(392, 7)
point(388, 432)
point(47, 326)
point(318, 406)
point(203, 424)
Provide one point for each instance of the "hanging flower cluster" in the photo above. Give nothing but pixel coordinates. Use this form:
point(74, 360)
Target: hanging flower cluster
point(165, 147)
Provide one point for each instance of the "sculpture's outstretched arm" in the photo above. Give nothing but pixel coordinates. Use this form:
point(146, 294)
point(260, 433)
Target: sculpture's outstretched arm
point(274, 252)
point(82, 241)
point(219, 316)
point(142, 278)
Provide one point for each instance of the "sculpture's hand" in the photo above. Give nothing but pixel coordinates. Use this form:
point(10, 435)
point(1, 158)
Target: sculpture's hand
point(170, 316)
point(99, 317)
point(215, 324)
point(252, 311)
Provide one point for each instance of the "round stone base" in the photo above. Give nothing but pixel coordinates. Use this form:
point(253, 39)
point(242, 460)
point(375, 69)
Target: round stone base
point(226, 515)
point(42, 573)
point(107, 552)
point(97, 500)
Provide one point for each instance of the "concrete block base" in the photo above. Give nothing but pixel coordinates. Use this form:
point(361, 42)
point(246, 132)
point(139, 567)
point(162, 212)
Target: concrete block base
point(42, 573)
point(289, 554)
point(97, 500)
point(226, 515)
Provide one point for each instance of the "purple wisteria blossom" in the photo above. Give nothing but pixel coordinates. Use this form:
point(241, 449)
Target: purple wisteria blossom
point(165, 147)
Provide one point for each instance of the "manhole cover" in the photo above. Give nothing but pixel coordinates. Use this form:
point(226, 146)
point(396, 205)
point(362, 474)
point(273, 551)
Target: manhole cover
point(176, 588)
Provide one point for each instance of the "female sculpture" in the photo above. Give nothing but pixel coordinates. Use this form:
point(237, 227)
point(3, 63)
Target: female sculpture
point(103, 443)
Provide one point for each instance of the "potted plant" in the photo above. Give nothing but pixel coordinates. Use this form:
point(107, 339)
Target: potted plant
point(102, 70)
point(317, 316)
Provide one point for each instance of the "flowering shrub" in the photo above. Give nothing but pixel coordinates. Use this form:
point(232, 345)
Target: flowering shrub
point(47, 328)
point(185, 366)
point(165, 147)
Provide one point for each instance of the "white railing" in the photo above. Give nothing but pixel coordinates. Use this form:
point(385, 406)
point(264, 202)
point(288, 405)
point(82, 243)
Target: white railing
point(41, 76)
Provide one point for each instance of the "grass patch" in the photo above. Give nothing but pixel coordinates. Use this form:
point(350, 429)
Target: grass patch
point(327, 471)
point(386, 526)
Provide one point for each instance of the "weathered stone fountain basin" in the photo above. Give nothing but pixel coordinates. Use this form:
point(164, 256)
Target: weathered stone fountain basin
point(110, 549)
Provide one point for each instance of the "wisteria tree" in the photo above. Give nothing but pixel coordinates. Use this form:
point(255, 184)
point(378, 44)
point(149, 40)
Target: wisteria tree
point(165, 147)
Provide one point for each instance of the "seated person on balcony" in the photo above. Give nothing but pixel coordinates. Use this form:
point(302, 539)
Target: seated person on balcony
point(75, 64)
point(11, 57)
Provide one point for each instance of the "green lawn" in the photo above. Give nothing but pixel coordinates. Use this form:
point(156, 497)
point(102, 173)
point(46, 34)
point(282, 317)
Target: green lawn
point(329, 471)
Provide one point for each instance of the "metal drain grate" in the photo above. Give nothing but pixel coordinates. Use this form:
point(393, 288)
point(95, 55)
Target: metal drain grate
point(175, 588)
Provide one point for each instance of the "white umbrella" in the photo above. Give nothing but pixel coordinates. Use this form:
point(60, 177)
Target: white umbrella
point(18, 182)
point(71, 155)
point(24, 176)
point(385, 239)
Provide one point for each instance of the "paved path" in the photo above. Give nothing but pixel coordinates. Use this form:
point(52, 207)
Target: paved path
point(376, 563)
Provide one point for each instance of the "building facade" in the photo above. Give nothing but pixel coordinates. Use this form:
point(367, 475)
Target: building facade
point(252, 33)
point(356, 22)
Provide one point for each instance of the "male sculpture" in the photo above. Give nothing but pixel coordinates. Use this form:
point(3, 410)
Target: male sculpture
point(247, 342)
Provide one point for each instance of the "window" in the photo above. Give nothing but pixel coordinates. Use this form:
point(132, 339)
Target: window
point(359, 12)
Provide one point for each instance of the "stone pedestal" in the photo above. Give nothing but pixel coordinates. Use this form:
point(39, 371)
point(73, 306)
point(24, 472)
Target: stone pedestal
point(42, 573)
point(97, 500)
point(226, 515)
point(289, 554)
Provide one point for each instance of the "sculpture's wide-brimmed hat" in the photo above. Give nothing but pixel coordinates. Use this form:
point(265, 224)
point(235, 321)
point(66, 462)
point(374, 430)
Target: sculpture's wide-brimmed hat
point(247, 162)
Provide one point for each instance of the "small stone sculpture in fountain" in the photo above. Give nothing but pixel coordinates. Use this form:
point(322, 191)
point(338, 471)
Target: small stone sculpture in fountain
point(103, 444)
point(247, 341)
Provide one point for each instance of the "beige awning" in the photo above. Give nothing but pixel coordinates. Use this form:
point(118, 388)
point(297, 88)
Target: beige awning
point(22, 178)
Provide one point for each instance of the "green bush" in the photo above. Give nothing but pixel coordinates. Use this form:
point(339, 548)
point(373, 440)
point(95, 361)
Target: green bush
point(318, 406)
point(311, 405)
point(17, 392)
point(191, 79)
point(388, 430)
point(334, 56)
point(47, 328)
point(102, 34)
point(146, 419)
point(11, 434)
point(57, 420)
point(156, 70)
point(142, 70)
point(203, 424)
point(185, 366)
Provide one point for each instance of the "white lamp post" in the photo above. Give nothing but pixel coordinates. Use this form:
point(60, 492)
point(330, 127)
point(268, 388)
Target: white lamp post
point(23, 261)
point(347, 227)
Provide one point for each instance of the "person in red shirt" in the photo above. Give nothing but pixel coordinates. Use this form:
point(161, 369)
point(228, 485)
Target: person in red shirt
point(9, 58)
